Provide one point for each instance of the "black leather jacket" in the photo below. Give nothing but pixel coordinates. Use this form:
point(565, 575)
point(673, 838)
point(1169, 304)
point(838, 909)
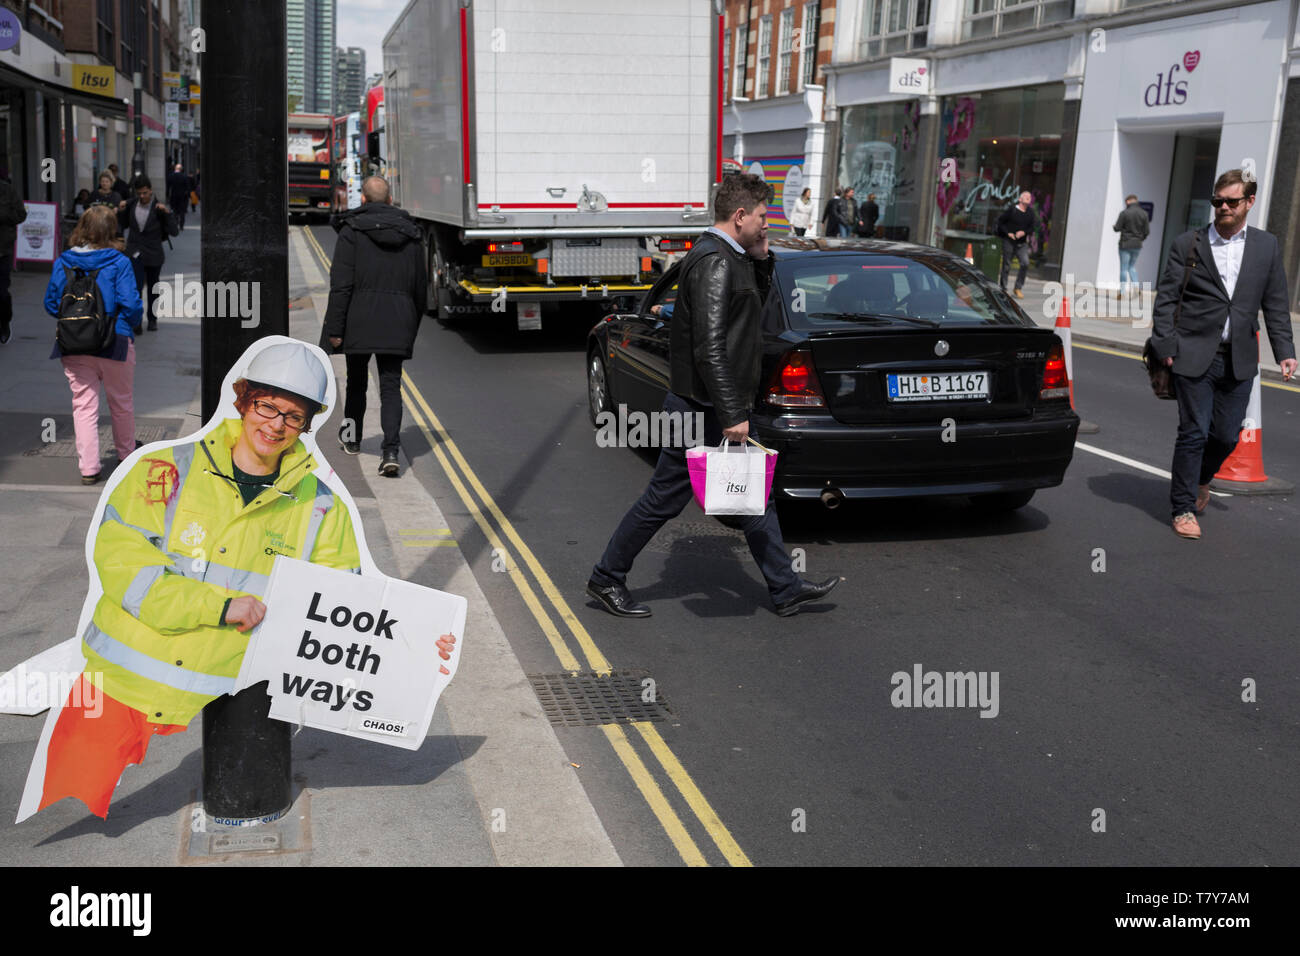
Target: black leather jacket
point(716, 337)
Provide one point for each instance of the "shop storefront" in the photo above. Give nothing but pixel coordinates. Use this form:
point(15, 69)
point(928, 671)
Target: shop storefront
point(880, 145)
point(1164, 111)
point(992, 147)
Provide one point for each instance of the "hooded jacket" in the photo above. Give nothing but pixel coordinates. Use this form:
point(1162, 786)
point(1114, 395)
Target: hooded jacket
point(116, 281)
point(378, 282)
point(176, 541)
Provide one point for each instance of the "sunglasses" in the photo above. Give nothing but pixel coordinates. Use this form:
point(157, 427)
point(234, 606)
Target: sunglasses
point(1230, 203)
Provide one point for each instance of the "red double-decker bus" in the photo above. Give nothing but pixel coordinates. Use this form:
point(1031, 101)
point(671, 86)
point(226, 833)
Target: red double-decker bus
point(376, 141)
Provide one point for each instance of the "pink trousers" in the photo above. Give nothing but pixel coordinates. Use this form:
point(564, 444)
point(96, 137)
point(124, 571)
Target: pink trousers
point(85, 373)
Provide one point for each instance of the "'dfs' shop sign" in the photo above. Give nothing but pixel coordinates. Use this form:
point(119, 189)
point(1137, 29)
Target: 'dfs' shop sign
point(353, 654)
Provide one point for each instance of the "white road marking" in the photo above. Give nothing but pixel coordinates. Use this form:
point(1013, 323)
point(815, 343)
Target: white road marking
point(1140, 466)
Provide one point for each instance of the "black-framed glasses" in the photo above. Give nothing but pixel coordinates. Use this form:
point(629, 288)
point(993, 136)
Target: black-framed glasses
point(295, 420)
point(1216, 202)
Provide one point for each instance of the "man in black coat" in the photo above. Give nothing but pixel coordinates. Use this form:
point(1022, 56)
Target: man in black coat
point(868, 214)
point(119, 184)
point(145, 223)
point(378, 294)
point(715, 354)
point(12, 212)
point(1224, 274)
point(178, 195)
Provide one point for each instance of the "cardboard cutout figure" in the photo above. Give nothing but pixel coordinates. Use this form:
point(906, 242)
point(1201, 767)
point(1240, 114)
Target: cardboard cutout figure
point(181, 551)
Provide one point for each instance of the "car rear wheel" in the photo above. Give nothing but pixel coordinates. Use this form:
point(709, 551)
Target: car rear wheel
point(598, 394)
point(1002, 501)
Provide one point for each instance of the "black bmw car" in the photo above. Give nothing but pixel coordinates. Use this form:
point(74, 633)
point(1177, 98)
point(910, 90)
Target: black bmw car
point(889, 369)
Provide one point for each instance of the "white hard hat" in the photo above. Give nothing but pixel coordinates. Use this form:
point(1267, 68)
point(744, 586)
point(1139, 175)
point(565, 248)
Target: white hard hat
point(292, 367)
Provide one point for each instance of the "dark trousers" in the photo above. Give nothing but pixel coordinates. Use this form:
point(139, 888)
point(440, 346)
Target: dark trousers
point(145, 279)
point(1014, 250)
point(667, 494)
point(390, 396)
point(1210, 412)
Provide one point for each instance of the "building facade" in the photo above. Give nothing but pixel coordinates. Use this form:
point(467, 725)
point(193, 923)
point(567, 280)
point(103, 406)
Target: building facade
point(311, 55)
point(1079, 102)
point(351, 79)
point(774, 55)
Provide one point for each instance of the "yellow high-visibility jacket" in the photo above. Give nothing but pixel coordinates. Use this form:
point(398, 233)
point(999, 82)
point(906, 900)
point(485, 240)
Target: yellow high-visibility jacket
point(175, 542)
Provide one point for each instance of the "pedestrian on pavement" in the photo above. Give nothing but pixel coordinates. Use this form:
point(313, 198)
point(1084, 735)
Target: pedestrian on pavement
point(848, 214)
point(1223, 275)
point(12, 212)
point(714, 355)
point(378, 294)
point(833, 214)
point(81, 203)
point(92, 249)
point(194, 192)
point(801, 215)
point(1133, 227)
point(146, 223)
point(106, 195)
point(178, 195)
point(119, 184)
point(868, 216)
point(1016, 224)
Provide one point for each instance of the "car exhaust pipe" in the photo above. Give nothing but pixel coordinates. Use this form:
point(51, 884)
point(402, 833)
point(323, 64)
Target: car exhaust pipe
point(832, 498)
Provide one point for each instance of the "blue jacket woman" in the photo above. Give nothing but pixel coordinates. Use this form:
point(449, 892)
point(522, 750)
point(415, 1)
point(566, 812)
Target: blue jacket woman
point(92, 248)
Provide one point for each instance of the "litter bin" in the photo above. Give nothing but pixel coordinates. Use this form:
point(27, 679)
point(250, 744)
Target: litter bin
point(986, 251)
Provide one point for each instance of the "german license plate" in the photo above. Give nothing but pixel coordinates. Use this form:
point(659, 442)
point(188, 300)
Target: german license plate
point(508, 259)
point(938, 386)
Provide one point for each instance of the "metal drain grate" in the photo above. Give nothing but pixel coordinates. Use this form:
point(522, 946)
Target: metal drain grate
point(67, 447)
point(589, 700)
point(709, 538)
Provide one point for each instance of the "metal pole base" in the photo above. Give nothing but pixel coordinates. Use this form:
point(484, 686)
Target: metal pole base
point(246, 771)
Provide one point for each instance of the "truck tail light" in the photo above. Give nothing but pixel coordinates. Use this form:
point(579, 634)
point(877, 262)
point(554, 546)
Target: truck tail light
point(543, 266)
point(794, 383)
point(676, 245)
point(1056, 381)
point(645, 263)
point(505, 247)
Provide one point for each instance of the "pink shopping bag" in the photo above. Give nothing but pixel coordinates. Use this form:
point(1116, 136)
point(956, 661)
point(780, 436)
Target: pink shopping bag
point(715, 496)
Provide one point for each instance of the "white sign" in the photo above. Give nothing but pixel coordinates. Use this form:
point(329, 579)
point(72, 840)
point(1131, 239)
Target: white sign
point(792, 188)
point(172, 120)
point(908, 75)
point(38, 234)
point(353, 654)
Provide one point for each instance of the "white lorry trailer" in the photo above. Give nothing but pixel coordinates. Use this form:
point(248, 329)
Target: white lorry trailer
point(551, 149)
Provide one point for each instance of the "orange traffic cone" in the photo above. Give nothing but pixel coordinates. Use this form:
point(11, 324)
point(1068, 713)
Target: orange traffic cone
point(1063, 330)
point(970, 253)
point(1243, 472)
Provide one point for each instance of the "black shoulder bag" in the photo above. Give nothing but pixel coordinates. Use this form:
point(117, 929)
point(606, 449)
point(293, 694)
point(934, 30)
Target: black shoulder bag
point(1162, 379)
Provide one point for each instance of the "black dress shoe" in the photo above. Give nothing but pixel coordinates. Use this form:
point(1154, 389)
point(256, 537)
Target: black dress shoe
point(617, 601)
point(807, 595)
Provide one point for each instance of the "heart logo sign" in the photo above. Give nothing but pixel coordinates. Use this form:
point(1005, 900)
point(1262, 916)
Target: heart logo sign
point(921, 70)
point(1191, 59)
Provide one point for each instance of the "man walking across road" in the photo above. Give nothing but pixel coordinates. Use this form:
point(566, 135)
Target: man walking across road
point(714, 354)
point(378, 294)
point(1223, 275)
point(1016, 224)
point(1133, 227)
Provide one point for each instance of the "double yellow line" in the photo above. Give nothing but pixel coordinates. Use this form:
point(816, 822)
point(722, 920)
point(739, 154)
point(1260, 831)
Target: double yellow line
point(485, 512)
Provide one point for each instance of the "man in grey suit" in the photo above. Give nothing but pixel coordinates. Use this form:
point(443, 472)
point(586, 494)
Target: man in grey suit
point(1227, 272)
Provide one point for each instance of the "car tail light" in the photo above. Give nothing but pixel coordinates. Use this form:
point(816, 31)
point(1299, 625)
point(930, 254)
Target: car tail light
point(676, 245)
point(794, 384)
point(1056, 380)
point(505, 247)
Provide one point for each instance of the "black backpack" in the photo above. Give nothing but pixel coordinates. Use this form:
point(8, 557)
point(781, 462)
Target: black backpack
point(83, 328)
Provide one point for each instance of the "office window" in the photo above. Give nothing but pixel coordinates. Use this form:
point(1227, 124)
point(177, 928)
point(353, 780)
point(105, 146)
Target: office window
point(726, 56)
point(738, 76)
point(104, 30)
point(985, 18)
point(764, 55)
point(785, 51)
point(894, 26)
point(808, 45)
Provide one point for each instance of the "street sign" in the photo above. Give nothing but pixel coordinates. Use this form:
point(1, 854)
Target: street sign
point(172, 120)
point(194, 94)
point(353, 654)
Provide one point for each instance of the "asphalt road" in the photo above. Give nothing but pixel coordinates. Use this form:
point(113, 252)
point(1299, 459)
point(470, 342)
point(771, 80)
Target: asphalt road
point(1121, 735)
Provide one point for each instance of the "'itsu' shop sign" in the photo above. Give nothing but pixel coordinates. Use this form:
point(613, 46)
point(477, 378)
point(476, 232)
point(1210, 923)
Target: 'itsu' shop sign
point(353, 654)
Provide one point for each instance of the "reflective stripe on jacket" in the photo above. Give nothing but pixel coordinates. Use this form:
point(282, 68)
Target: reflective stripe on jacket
point(176, 540)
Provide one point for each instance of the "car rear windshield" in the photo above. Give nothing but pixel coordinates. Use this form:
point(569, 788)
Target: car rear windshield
point(831, 291)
